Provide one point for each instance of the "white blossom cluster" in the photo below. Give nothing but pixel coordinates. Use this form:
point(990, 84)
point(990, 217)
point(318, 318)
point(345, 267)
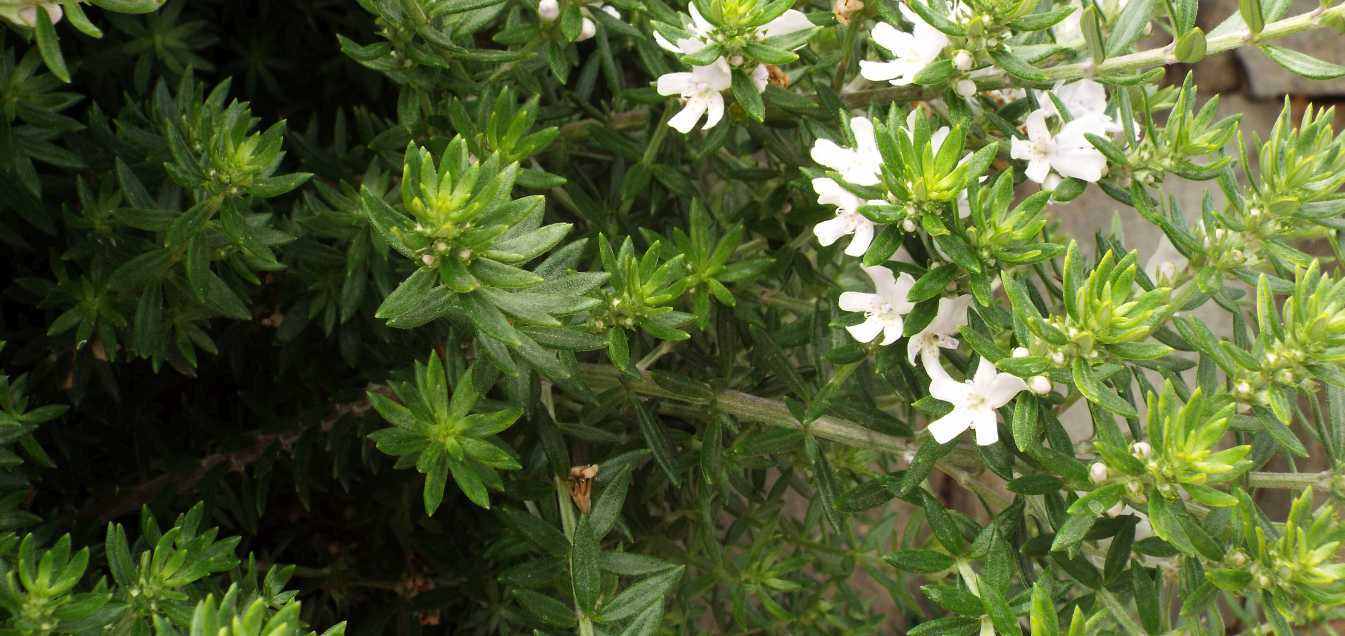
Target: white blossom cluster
point(701, 89)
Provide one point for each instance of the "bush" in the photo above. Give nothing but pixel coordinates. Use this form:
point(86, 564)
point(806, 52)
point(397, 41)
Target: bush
point(634, 317)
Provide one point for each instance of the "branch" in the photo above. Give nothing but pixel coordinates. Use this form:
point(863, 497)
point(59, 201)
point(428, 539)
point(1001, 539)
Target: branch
point(121, 501)
point(752, 408)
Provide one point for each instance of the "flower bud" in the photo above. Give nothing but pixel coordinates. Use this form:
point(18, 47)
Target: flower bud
point(1141, 450)
point(1117, 510)
point(1057, 358)
point(963, 60)
point(427, 259)
point(1097, 473)
point(28, 15)
point(587, 30)
point(548, 10)
point(1021, 352)
point(908, 225)
point(965, 87)
point(1039, 384)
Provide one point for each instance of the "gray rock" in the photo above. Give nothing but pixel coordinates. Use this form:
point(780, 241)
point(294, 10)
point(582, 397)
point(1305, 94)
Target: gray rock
point(1268, 79)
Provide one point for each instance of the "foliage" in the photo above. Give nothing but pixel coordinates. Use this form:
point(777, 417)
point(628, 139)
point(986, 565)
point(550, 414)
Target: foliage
point(670, 293)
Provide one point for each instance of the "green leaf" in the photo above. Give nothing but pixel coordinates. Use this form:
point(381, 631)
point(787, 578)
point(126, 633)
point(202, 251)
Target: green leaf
point(640, 596)
point(585, 576)
point(769, 54)
point(1098, 501)
point(1252, 15)
point(657, 442)
point(49, 45)
point(1302, 63)
point(1096, 392)
point(608, 507)
point(1040, 484)
point(922, 561)
point(198, 266)
point(433, 462)
point(1191, 46)
point(1026, 425)
point(1042, 617)
point(1129, 26)
point(1072, 531)
point(1146, 590)
point(1020, 68)
point(74, 12)
point(549, 610)
point(745, 93)
point(932, 283)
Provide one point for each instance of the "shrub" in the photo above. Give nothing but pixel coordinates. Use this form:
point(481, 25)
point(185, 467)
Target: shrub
point(620, 317)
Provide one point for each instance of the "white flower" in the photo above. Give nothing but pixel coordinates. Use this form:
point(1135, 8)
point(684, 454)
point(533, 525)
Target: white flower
point(885, 310)
point(974, 402)
point(700, 90)
point(965, 88)
point(940, 332)
point(1083, 98)
point(860, 165)
point(1069, 153)
point(1166, 262)
point(913, 51)
point(548, 10)
point(847, 221)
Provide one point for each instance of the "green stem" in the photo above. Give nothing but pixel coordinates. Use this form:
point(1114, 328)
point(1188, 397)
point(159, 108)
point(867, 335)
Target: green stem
point(1291, 481)
point(993, 77)
point(958, 465)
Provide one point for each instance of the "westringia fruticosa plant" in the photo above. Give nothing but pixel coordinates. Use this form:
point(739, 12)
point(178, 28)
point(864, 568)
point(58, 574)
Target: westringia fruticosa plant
point(656, 317)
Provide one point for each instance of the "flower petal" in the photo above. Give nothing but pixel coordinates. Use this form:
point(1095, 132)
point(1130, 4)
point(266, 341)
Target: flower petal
point(831, 230)
point(944, 429)
point(685, 120)
point(942, 385)
point(790, 21)
point(880, 71)
point(674, 83)
point(1038, 169)
point(863, 229)
point(857, 301)
point(866, 331)
point(892, 330)
point(915, 346)
point(698, 21)
point(987, 433)
point(1003, 388)
point(714, 109)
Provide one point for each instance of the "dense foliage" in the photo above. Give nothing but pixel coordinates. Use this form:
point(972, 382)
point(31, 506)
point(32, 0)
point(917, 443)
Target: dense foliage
point(631, 316)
